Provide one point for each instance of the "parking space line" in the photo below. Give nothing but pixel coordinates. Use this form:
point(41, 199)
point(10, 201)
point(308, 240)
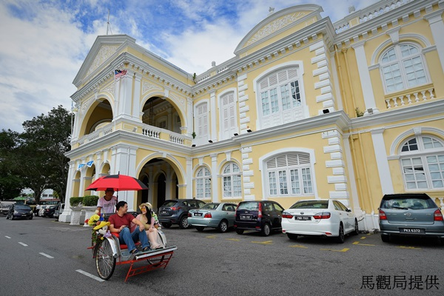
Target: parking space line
point(90, 275)
point(210, 236)
point(46, 255)
point(299, 246)
point(358, 243)
point(263, 243)
point(341, 251)
point(233, 239)
point(8, 237)
point(407, 247)
point(23, 244)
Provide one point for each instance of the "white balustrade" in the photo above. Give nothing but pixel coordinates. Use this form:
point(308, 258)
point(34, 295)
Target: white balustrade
point(408, 99)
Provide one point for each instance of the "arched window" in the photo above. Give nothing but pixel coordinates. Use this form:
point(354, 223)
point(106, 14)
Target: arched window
point(289, 175)
point(422, 163)
point(402, 67)
point(231, 178)
point(279, 97)
point(203, 183)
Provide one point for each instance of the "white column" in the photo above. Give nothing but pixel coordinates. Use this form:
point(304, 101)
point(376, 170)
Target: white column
point(381, 161)
point(124, 97)
point(66, 215)
point(437, 27)
point(136, 98)
point(214, 180)
point(364, 75)
point(189, 178)
point(213, 105)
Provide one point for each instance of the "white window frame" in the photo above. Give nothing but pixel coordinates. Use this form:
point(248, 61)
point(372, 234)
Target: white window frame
point(416, 167)
point(231, 177)
point(202, 132)
point(203, 183)
point(282, 116)
point(285, 185)
point(399, 61)
point(232, 127)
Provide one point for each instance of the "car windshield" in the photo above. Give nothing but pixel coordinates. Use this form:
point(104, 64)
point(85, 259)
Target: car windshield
point(408, 203)
point(169, 203)
point(252, 206)
point(22, 207)
point(310, 204)
point(210, 206)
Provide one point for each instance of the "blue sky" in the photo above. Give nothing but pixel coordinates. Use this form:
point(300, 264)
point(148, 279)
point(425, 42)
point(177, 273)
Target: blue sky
point(44, 42)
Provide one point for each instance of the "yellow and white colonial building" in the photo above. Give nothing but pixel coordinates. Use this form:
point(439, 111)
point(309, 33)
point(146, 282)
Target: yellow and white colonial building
point(306, 108)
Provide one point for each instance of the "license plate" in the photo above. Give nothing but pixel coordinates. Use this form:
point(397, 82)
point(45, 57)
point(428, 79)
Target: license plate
point(245, 217)
point(412, 230)
point(163, 212)
point(302, 218)
point(197, 214)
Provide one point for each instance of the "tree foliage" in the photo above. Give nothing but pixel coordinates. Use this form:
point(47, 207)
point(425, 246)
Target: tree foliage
point(38, 157)
point(10, 181)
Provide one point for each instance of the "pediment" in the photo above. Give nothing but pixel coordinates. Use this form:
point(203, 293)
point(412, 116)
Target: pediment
point(278, 22)
point(104, 49)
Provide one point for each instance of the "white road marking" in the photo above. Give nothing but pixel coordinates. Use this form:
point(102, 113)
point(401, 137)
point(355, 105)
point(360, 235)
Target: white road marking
point(90, 275)
point(23, 244)
point(8, 237)
point(46, 255)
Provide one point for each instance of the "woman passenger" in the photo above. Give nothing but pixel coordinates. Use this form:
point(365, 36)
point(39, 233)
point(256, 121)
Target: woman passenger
point(147, 218)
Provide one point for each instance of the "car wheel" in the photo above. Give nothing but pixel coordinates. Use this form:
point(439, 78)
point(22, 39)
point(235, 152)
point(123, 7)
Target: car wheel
point(292, 236)
point(239, 231)
point(266, 230)
point(356, 232)
point(223, 226)
point(385, 238)
point(199, 228)
point(166, 225)
point(183, 223)
point(341, 237)
point(7, 216)
point(30, 218)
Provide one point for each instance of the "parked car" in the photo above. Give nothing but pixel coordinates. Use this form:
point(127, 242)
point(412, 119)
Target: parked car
point(319, 217)
point(175, 211)
point(4, 206)
point(49, 211)
point(19, 211)
point(59, 210)
point(262, 216)
point(411, 215)
point(215, 215)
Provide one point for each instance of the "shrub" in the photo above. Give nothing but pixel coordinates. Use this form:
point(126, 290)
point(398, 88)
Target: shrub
point(74, 201)
point(90, 200)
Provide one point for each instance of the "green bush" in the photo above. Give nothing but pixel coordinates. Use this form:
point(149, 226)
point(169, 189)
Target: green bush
point(90, 200)
point(74, 201)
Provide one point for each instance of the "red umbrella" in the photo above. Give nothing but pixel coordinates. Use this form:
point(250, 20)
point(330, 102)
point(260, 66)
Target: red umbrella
point(117, 182)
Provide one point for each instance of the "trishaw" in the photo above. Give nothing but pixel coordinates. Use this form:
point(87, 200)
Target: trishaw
point(107, 250)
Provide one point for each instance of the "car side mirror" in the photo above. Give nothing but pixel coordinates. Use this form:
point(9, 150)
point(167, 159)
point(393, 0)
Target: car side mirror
point(349, 210)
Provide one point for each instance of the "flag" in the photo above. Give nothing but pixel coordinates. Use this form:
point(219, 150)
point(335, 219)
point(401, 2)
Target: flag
point(119, 73)
point(89, 163)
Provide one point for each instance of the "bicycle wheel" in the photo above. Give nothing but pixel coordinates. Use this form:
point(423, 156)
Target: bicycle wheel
point(104, 259)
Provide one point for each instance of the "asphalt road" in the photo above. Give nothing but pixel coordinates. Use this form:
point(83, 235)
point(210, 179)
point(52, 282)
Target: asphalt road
point(45, 257)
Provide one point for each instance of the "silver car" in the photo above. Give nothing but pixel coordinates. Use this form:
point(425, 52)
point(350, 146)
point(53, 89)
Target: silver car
point(410, 214)
point(214, 215)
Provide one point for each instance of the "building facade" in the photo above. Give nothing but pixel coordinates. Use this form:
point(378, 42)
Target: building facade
point(307, 108)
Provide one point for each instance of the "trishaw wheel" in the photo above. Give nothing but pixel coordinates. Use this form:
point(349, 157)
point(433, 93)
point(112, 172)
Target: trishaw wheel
point(105, 261)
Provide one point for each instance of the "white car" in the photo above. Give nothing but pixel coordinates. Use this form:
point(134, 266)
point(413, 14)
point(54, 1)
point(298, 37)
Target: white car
point(319, 217)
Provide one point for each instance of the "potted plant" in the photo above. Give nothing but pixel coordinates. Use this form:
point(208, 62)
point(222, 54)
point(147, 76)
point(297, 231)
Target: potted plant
point(89, 203)
point(76, 209)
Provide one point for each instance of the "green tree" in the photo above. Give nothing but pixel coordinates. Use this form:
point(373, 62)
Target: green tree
point(42, 149)
point(10, 181)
